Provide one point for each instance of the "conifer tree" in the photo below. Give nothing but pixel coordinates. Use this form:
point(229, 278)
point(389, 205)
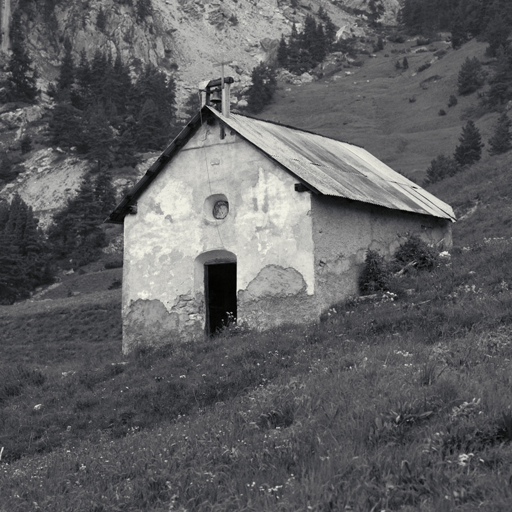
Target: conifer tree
point(21, 84)
point(155, 104)
point(282, 53)
point(25, 259)
point(440, 168)
point(105, 192)
point(83, 94)
point(319, 47)
point(470, 77)
point(76, 232)
point(12, 276)
point(497, 32)
point(500, 90)
point(65, 126)
point(101, 20)
point(97, 136)
point(330, 33)
point(458, 31)
point(262, 89)
point(501, 140)
point(309, 34)
point(469, 150)
point(67, 69)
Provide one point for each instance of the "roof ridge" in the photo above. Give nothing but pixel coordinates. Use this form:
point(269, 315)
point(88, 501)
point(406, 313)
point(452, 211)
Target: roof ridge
point(290, 127)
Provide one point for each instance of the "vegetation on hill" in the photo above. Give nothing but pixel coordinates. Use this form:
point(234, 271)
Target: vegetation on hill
point(108, 117)
point(399, 401)
point(463, 18)
point(304, 50)
point(25, 255)
point(21, 81)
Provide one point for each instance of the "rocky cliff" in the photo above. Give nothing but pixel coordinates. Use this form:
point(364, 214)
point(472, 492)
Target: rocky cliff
point(185, 37)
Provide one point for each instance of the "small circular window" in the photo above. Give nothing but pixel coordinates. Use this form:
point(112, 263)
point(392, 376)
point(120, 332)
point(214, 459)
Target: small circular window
point(220, 209)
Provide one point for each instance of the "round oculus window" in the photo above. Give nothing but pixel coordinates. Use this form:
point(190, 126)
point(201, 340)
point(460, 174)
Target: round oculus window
point(220, 210)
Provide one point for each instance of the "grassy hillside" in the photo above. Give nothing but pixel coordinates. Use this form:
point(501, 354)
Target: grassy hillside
point(400, 402)
point(392, 113)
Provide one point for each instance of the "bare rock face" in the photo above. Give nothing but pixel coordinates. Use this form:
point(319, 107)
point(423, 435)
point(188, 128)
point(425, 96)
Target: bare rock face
point(187, 38)
point(49, 180)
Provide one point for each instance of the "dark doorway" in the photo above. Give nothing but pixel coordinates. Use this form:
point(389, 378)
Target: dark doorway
point(220, 294)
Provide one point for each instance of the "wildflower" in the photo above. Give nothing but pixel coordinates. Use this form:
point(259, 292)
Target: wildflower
point(465, 458)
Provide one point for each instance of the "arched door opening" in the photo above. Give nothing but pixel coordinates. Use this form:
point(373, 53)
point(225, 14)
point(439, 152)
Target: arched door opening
point(220, 294)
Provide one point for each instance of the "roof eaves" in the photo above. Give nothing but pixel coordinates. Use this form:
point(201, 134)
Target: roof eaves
point(124, 207)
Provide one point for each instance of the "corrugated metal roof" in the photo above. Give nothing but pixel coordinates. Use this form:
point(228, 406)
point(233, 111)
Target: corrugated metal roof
point(326, 165)
point(337, 168)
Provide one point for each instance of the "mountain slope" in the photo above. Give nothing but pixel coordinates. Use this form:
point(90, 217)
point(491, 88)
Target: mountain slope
point(392, 113)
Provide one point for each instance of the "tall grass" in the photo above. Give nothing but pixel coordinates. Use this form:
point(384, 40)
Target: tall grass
point(397, 404)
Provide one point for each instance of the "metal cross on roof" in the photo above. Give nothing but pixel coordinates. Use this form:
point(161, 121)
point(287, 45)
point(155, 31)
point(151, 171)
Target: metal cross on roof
point(221, 64)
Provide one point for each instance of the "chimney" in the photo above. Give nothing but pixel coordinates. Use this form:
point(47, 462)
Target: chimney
point(215, 93)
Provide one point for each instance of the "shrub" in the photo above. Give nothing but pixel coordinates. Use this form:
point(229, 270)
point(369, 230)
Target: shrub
point(396, 38)
point(375, 274)
point(423, 67)
point(113, 264)
point(116, 283)
point(26, 144)
point(422, 41)
point(415, 250)
point(442, 112)
point(452, 101)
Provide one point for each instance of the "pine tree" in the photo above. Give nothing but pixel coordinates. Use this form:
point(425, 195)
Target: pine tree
point(470, 77)
point(458, 31)
point(154, 109)
point(105, 192)
point(25, 259)
point(76, 233)
point(98, 138)
point(440, 168)
point(67, 69)
point(12, 276)
point(65, 126)
point(500, 90)
point(309, 35)
point(501, 141)
point(282, 53)
point(319, 48)
point(330, 33)
point(101, 20)
point(82, 95)
point(469, 150)
point(21, 83)
point(497, 32)
point(263, 86)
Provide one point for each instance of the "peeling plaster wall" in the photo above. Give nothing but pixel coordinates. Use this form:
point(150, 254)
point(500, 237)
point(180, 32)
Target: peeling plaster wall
point(268, 229)
point(344, 230)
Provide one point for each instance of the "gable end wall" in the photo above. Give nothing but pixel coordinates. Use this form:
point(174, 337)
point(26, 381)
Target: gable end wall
point(343, 231)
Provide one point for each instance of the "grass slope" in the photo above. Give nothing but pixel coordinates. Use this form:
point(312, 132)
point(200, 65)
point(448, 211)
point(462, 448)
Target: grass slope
point(399, 403)
point(393, 114)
